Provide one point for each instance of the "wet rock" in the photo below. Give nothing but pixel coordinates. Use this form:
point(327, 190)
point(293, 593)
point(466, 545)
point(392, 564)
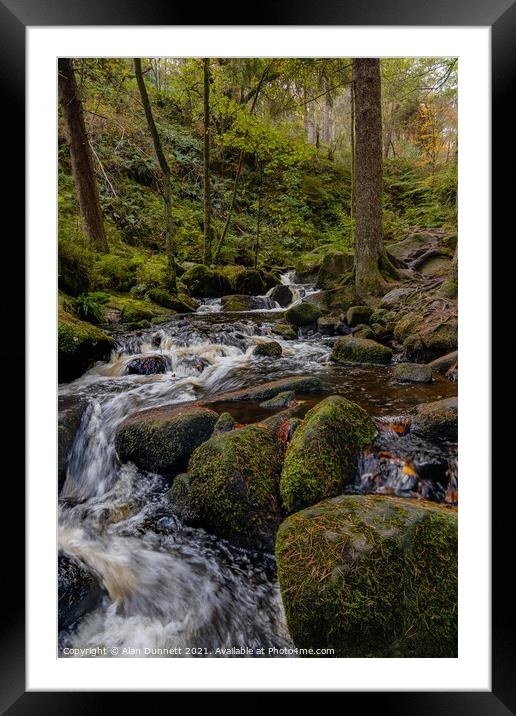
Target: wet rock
point(233, 487)
point(303, 314)
point(360, 350)
point(281, 400)
point(78, 588)
point(162, 440)
point(69, 420)
point(250, 282)
point(190, 364)
point(334, 265)
point(426, 342)
point(245, 303)
point(453, 373)
point(224, 424)
point(285, 330)
point(80, 345)
point(205, 282)
point(384, 317)
point(271, 349)
point(323, 454)
point(371, 576)
point(282, 295)
point(336, 300)
point(357, 315)
point(438, 419)
point(177, 496)
point(412, 373)
point(300, 384)
point(442, 364)
point(364, 331)
point(146, 365)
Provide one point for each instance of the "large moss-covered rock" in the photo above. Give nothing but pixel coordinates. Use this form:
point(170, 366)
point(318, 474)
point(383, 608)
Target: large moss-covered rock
point(250, 282)
point(438, 419)
point(334, 265)
point(371, 576)
point(233, 486)
point(412, 373)
point(357, 315)
point(179, 304)
point(203, 281)
point(271, 349)
point(136, 311)
point(360, 350)
point(79, 590)
point(285, 330)
point(425, 340)
point(322, 456)
point(303, 314)
point(80, 344)
point(162, 440)
point(336, 299)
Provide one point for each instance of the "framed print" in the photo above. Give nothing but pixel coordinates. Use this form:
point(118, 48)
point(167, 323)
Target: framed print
point(257, 249)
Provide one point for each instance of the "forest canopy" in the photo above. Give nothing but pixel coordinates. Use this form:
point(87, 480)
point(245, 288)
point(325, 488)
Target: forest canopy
point(281, 133)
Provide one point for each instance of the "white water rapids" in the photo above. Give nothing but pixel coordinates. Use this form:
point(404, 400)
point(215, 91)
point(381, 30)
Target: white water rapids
point(167, 585)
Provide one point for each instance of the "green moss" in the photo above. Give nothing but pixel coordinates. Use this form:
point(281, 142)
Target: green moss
point(371, 576)
point(162, 440)
point(449, 289)
point(357, 315)
point(405, 326)
point(335, 265)
point(234, 486)
point(80, 344)
point(284, 330)
point(75, 268)
point(322, 456)
point(360, 350)
point(271, 349)
point(250, 283)
point(203, 281)
point(303, 314)
point(438, 419)
point(175, 303)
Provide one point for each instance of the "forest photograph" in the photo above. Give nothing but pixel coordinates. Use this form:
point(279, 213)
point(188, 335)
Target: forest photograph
point(257, 357)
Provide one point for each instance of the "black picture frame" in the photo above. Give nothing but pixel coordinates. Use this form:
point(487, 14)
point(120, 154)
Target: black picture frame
point(500, 16)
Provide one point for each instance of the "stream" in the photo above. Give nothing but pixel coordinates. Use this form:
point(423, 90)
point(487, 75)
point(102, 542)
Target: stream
point(171, 587)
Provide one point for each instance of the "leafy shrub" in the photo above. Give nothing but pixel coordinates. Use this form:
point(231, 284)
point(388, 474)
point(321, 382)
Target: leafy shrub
point(88, 308)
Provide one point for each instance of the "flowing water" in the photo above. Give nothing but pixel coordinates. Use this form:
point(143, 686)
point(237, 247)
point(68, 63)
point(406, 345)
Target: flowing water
point(169, 586)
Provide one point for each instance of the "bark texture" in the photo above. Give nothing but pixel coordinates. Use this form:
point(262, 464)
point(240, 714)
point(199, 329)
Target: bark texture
point(81, 156)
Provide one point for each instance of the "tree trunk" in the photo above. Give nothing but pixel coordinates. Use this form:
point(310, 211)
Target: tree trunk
point(258, 217)
point(368, 177)
point(352, 137)
point(207, 200)
point(311, 118)
point(81, 159)
point(165, 170)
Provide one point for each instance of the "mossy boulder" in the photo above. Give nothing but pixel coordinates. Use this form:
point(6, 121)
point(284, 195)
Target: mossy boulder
point(175, 303)
point(271, 349)
point(79, 590)
point(80, 345)
point(384, 317)
point(336, 300)
point(68, 422)
point(427, 342)
point(205, 282)
point(242, 302)
point(224, 424)
point(412, 373)
point(233, 486)
point(136, 311)
point(250, 282)
point(303, 314)
point(285, 330)
point(357, 315)
point(444, 363)
point(396, 296)
point(322, 456)
point(371, 576)
point(162, 440)
point(360, 350)
point(334, 265)
point(282, 400)
point(74, 268)
point(364, 331)
point(438, 419)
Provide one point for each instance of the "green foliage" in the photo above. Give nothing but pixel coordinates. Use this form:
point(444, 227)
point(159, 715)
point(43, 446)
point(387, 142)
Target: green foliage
point(89, 308)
